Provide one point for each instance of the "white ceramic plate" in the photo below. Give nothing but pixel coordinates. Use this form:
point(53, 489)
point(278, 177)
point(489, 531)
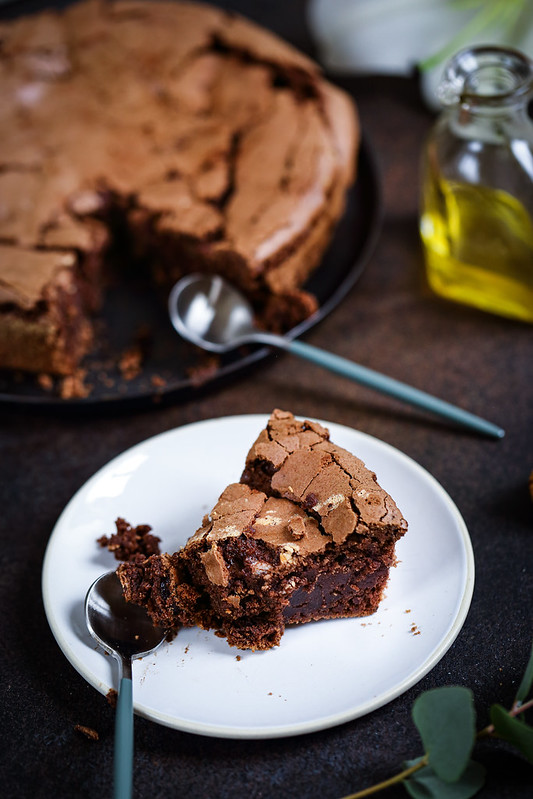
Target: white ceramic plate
point(323, 673)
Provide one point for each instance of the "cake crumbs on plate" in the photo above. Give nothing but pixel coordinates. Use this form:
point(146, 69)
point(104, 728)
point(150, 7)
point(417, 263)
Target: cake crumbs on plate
point(131, 543)
point(45, 381)
point(157, 381)
point(74, 387)
point(130, 363)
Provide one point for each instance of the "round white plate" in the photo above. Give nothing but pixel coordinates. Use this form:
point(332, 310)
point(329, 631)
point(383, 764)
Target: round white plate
point(323, 673)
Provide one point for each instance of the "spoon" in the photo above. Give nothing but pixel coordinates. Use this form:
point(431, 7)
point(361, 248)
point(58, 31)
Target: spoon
point(213, 314)
point(125, 631)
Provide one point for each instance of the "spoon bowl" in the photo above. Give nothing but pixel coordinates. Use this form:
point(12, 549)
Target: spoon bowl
point(125, 631)
point(214, 315)
point(211, 313)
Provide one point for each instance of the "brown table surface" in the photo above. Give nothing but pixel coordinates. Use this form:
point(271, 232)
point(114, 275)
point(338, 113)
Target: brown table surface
point(391, 322)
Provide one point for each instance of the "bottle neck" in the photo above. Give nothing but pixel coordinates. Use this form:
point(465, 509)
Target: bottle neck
point(488, 82)
point(490, 124)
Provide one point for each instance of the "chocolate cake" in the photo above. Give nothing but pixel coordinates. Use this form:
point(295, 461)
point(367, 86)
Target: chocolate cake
point(307, 534)
point(189, 137)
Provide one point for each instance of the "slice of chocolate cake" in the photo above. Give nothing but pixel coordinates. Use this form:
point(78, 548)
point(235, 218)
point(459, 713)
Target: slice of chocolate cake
point(307, 534)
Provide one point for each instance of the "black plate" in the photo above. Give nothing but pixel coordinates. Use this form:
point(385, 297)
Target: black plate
point(174, 369)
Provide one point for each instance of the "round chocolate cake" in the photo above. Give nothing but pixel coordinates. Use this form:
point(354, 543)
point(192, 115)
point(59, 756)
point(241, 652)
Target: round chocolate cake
point(188, 136)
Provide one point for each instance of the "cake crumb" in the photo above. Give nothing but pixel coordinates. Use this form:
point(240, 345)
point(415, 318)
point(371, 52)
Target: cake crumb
point(131, 543)
point(87, 731)
point(204, 371)
point(414, 630)
point(130, 363)
point(73, 386)
point(157, 381)
point(106, 380)
point(112, 697)
point(238, 657)
point(132, 359)
point(45, 381)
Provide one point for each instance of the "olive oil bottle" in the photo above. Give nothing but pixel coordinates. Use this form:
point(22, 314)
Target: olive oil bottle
point(476, 219)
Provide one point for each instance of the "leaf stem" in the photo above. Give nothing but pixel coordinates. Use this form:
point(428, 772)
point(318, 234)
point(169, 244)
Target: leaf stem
point(380, 786)
point(516, 709)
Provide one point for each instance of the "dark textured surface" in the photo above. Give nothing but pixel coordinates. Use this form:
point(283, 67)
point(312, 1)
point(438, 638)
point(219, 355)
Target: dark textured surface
point(390, 321)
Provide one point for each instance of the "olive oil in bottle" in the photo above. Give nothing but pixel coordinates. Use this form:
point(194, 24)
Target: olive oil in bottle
point(476, 215)
point(478, 244)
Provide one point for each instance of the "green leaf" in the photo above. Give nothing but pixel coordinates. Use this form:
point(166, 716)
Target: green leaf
point(425, 784)
point(446, 720)
point(512, 730)
point(498, 12)
point(527, 680)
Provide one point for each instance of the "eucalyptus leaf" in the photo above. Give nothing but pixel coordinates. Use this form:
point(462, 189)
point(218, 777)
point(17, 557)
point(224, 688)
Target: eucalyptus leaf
point(425, 784)
point(512, 730)
point(527, 680)
point(446, 720)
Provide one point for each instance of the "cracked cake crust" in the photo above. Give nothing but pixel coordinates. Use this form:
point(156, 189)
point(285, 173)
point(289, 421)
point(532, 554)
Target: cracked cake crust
point(219, 149)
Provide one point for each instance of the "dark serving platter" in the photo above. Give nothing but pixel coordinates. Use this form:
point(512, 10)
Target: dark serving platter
point(171, 367)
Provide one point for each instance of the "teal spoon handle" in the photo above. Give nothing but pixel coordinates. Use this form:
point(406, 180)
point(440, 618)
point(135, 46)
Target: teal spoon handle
point(123, 764)
point(388, 385)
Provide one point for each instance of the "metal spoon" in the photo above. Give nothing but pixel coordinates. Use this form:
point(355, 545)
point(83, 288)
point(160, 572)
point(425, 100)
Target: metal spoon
point(211, 313)
point(125, 631)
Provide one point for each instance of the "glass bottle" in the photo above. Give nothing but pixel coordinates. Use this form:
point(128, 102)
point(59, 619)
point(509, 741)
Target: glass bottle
point(476, 219)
